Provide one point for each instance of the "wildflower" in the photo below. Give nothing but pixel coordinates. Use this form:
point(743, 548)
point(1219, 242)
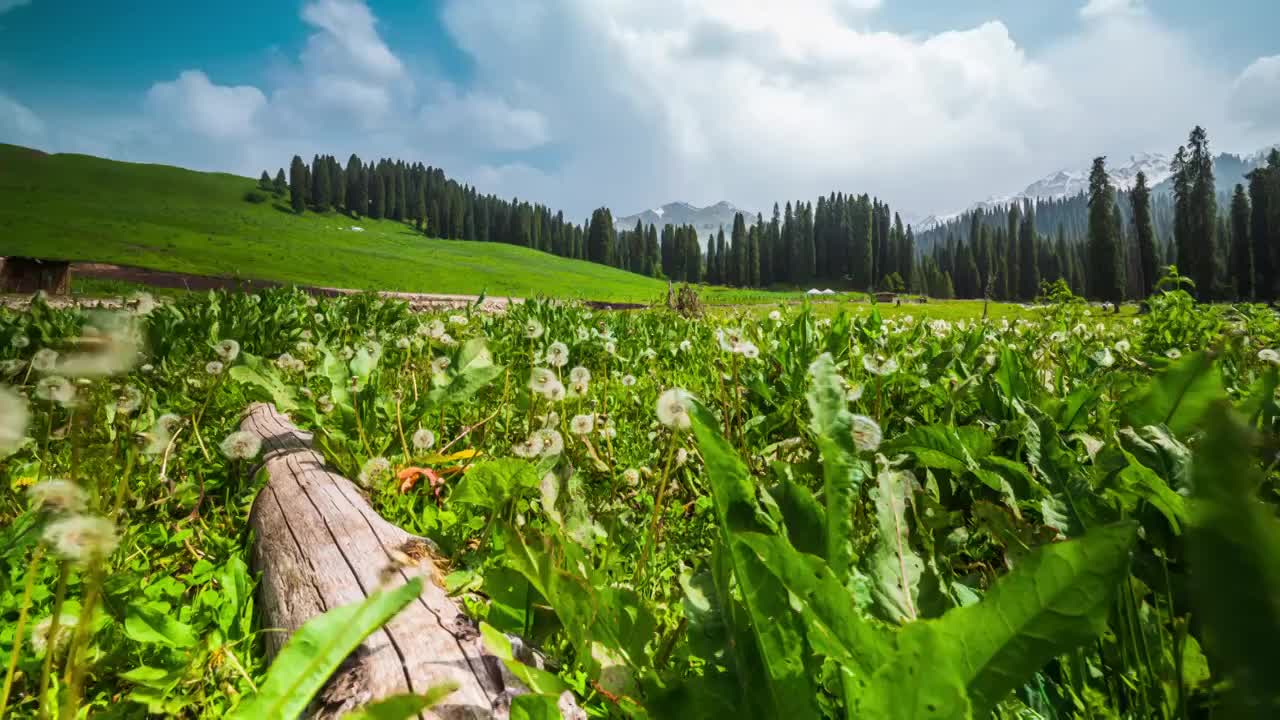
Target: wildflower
point(1270, 356)
point(56, 389)
point(673, 409)
point(241, 445)
point(318, 318)
point(1122, 346)
point(1104, 358)
point(855, 393)
point(1173, 353)
point(424, 439)
point(631, 476)
point(129, 401)
point(750, 351)
point(530, 448)
point(373, 469)
point(147, 369)
point(558, 355)
point(532, 329)
point(608, 431)
point(228, 350)
point(20, 341)
point(44, 360)
point(302, 347)
point(1057, 337)
point(305, 334)
point(541, 379)
point(213, 367)
point(403, 343)
point(685, 346)
point(580, 388)
point(312, 302)
point(866, 433)
point(82, 538)
point(730, 340)
point(582, 424)
point(289, 363)
point(447, 339)
point(347, 352)
point(57, 497)
point(611, 347)
point(682, 456)
point(583, 334)
point(105, 351)
point(162, 433)
point(879, 365)
point(940, 328)
point(555, 392)
point(42, 642)
point(579, 374)
point(628, 380)
point(552, 442)
point(775, 316)
point(440, 364)
point(457, 320)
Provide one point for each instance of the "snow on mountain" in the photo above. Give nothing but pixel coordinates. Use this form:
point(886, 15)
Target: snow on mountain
point(708, 220)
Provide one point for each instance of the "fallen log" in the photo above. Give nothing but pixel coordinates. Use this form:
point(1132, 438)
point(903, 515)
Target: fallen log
point(318, 545)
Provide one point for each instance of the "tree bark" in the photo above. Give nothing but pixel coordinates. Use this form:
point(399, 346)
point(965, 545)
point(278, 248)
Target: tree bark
point(318, 545)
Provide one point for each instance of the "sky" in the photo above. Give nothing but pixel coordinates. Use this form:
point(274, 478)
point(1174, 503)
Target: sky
point(634, 103)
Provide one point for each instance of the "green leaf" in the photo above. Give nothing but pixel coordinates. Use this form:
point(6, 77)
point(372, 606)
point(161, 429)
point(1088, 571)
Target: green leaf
point(1234, 546)
point(150, 625)
point(1056, 599)
point(254, 371)
point(913, 684)
point(491, 483)
point(403, 707)
point(943, 447)
point(1178, 397)
point(894, 565)
point(539, 681)
point(339, 378)
point(805, 520)
point(535, 707)
point(843, 473)
point(779, 633)
point(317, 649)
point(1146, 484)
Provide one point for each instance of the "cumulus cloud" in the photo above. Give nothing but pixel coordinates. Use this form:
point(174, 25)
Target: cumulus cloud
point(7, 5)
point(18, 123)
point(1255, 94)
point(1112, 8)
point(484, 120)
point(216, 112)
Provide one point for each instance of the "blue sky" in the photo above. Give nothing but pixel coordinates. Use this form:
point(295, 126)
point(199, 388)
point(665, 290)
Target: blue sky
point(631, 103)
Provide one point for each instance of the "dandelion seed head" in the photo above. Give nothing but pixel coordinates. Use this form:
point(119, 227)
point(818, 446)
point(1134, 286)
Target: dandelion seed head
point(44, 360)
point(57, 497)
point(552, 442)
point(20, 341)
point(530, 448)
point(580, 374)
point(440, 364)
point(558, 354)
point(879, 365)
point(374, 469)
point(1173, 353)
point(112, 349)
point(749, 351)
point(611, 347)
point(631, 477)
point(555, 392)
point(1268, 355)
point(56, 389)
point(42, 641)
point(540, 379)
point(673, 409)
point(628, 380)
point(682, 456)
point(403, 343)
point(582, 424)
point(1122, 346)
point(213, 367)
point(241, 445)
point(533, 329)
point(81, 539)
point(775, 316)
point(129, 401)
point(458, 320)
point(866, 433)
point(228, 350)
point(686, 345)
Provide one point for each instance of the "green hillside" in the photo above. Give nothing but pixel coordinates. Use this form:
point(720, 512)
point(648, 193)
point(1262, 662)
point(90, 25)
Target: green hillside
point(79, 207)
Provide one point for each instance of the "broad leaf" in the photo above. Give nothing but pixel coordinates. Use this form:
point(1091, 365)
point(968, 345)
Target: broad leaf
point(913, 684)
point(539, 681)
point(254, 371)
point(943, 447)
point(843, 473)
point(157, 627)
point(1179, 396)
point(895, 567)
point(317, 649)
point(402, 707)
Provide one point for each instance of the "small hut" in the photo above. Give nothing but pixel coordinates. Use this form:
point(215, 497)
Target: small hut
point(29, 275)
point(886, 297)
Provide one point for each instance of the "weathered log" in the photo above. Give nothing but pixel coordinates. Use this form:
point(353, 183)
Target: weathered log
point(318, 545)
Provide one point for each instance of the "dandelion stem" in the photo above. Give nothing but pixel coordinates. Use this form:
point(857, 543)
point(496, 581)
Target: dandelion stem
point(75, 674)
point(32, 571)
point(652, 538)
point(404, 446)
point(51, 647)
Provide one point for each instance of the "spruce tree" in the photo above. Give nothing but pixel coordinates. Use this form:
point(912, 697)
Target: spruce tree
point(264, 182)
point(1144, 235)
point(1241, 262)
point(861, 263)
point(298, 185)
point(738, 273)
point(752, 278)
point(1203, 222)
point(600, 237)
point(280, 186)
point(1013, 247)
point(773, 239)
point(1104, 256)
point(1029, 256)
point(1264, 256)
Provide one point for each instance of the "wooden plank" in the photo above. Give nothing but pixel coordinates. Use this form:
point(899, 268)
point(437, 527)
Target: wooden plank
point(318, 544)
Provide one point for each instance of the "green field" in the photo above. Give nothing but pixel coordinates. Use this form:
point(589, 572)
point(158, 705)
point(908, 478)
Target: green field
point(78, 207)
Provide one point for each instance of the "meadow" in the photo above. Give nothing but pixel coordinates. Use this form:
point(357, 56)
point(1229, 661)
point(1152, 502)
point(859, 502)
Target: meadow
point(801, 511)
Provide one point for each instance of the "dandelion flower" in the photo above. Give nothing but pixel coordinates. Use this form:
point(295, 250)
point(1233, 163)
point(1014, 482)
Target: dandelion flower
point(582, 424)
point(631, 476)
point(749, 351)
point(373, 469)
point(775, 316)
point(552, 442)
point(41, 640)
point(555, 392)
point(608, 431)
point(530, 448)
point(879, 365)
point(866, 433)
point(532, 329)
point(583, 334)
point(325, 403)
point(628, 380)
point(44, 360)
point(1269, 356)
point(228, 350)
point(424, 439)
point(682, 457)
point(82, 538)
point(1122, 346)
point(241, 445)
point(303, 347)
point(56, 389)
point(540, 379)
point(579, 374)
point(168, 422)
point(129, 401)
point(673, 409)
point(213, 367)
point(686, 346)
point(730, 340)
point(111, 349)
point(558, 355)
point(855, 393)
point(440, 364)
point(403, 343)
point(1104, 358)
point(611, 347)
point(20, 341)
point(1173, 353)
point(458, 320)
point(57, 497)
point(289, 363)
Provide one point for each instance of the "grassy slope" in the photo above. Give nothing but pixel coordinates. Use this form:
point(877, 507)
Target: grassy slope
point(85, 208)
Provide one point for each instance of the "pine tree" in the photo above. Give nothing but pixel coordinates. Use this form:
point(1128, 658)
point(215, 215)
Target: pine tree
point(773, 239)
point(280, 186)
point(1144, 234)
point(1241, 262)
point(653, 259)
point(738, 273)
point(601, 237)
point(1182, 209)
point(378, 199)
point(1013, 248)
point(1104, 254)
point(264, 182)
point(1264, 256)
point(861, 262)
point(1202, 225)
point(1029, 257)
point(319, 194)
point(908, 263)
point(298, 185)
point(752, 278)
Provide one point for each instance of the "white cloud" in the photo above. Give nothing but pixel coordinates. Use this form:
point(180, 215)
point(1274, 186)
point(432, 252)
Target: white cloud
point(1112, 8)
point(348, 41)
point(7, 5)
point(1255, 94)
point(18, 124)
point(484, 121)
point(215, 112)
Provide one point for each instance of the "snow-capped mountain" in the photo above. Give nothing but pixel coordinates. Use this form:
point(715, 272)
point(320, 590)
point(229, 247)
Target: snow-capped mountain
point(708, 220)
point(1066, 183)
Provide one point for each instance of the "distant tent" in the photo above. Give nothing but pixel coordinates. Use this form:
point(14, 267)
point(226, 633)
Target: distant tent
point(813, 291)
point(828, 291)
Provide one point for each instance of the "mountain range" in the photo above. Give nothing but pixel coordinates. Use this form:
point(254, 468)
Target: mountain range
point(708, 220)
